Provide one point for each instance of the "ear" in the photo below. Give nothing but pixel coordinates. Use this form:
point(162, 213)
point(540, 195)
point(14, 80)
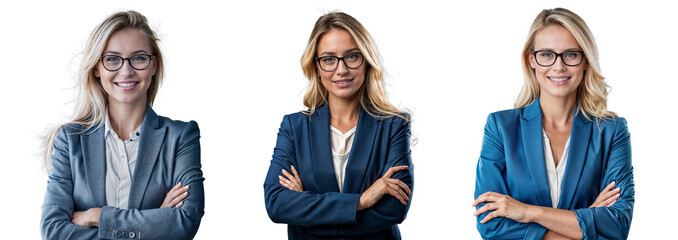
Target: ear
point(530, 57)
point(96, 72)
point(154, 63)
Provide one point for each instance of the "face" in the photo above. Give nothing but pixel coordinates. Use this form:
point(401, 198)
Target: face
point(342, 83)
point(557, 80)
point(126, 85)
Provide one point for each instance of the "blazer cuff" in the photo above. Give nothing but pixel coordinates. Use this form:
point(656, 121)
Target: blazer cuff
point(351, 212)
point(107, 229)
point(582, 214)
point(535, 231)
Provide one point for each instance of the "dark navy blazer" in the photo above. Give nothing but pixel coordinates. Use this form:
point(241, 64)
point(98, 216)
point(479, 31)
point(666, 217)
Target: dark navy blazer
point(169, 152)
point(321, 211)
point(512, 162)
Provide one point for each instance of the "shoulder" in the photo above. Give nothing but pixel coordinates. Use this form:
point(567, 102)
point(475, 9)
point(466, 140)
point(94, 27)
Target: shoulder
point(613, 126)
point(179, 128)
point(507, 117)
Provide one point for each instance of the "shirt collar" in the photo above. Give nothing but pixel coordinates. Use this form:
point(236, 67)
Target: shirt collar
point(136, 134)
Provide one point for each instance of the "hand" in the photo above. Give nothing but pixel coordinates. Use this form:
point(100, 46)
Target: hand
point(291, 182)
point(503, 206)
point(89, 218)
point(175, 196)
point(607, 197)
point(385, 185)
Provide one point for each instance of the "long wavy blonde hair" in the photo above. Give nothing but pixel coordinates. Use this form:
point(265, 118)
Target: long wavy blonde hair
point(91, 102)
point(372, 96)
point(592, 92)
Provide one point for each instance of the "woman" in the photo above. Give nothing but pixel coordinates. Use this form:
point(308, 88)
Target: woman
point(350, 149)
point(558, 166)
point(118, 170)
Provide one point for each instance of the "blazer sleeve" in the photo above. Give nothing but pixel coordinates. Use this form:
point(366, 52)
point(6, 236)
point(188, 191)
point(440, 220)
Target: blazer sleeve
point(167, 222)
point(613, 222)
point(58, 206)
point(491, 176)
point(388, 211)
point(302, 208)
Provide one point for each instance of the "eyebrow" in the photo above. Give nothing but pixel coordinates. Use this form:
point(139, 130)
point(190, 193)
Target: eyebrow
point(133, 53)
point(569, 49)
point(333, 53)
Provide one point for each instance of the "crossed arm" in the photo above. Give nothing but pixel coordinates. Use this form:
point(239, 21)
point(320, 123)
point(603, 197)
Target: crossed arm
point(502, 217)
point(182, 207)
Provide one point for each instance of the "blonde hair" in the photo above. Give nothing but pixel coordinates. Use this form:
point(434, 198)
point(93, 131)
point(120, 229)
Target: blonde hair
point(372, 96)
point(592, 92)
point(91, 102)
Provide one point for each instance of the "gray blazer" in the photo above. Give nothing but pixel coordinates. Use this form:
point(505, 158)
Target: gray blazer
point(169, 152)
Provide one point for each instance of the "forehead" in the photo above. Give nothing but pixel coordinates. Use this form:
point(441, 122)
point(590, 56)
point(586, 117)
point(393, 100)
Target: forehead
point(336, 41)
point(555, 37)
point(127, 41)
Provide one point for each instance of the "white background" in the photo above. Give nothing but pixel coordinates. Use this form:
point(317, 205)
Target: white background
point(234, 68)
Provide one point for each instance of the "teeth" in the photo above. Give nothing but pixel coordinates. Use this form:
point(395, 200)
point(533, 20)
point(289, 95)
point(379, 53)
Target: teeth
point(126, 84)
point(558, 79)
point(343, 81)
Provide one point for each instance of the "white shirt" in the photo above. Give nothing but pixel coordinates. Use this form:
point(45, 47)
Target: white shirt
point(121, 158)
point(341, 147)
point(555, 173)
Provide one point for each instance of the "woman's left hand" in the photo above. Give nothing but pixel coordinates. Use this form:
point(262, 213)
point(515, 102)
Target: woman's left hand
point(89, 218)
point(503, 206)
point(292, 182)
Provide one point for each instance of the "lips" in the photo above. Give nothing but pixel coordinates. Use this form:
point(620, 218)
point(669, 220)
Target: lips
point(559, 80)
point(126, 85)
point(342, 83)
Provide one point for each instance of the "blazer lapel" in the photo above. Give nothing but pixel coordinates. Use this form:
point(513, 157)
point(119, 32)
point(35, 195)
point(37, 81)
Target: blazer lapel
point(150, 143)
point(576, 158)
point(94, 158)
point(533, 146)
point(321, 150)
point(361, 152)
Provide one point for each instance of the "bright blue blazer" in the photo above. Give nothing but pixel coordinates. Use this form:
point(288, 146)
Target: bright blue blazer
point(321, 211)
point(169, 152)
point(512, 163)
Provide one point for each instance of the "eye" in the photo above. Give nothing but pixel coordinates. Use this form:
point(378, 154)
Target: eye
point(139, 58)
point(112, 59)
point(352, 57)
point(546, 54)
point(328, 59)
point(571, 55)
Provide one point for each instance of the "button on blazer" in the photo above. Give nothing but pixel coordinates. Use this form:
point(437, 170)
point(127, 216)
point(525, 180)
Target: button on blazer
point(169, 153)
point(321, 211)
point(512, 163)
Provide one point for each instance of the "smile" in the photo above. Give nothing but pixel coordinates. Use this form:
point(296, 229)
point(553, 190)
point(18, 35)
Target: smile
point(559, 79)
point(126, 85)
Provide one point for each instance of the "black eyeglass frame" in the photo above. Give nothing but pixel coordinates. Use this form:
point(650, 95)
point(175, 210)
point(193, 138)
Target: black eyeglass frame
point(128, 61)
point(557, 56)
point(362, 59)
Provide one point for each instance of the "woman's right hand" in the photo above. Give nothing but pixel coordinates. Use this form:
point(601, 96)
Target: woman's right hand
point(385, 185)
point(607, 197)
point(175, 196)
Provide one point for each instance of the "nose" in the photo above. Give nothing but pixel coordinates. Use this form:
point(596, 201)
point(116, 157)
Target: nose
point(341, 67)
point(126, 70)
point(559, 65)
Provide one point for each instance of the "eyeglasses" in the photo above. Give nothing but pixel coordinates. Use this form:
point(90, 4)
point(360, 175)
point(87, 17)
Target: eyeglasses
point(114, 63)
point(330, 63)
point(547, 58)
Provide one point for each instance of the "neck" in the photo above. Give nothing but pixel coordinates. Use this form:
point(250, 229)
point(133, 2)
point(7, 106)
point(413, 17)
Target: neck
point(344, 110)
point(557, 111)
point(125, 118)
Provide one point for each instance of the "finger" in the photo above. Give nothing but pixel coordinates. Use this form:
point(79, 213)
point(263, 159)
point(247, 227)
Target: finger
point(288, 175)
point(180, 204)
point(489, 217)
point(485, 208)
point(399, 184)
point(174, 188)
point(611, 194)
point(610, 200)
point(396, 195)
point(296, 176)
point(178, 192)
point(396, 187)
point(178, 199)
point(393, 170)
point(485, 197)
point(612, 203)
